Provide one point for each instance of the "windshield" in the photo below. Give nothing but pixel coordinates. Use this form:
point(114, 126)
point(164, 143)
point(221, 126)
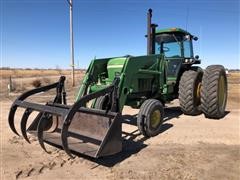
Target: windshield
point(169, 44)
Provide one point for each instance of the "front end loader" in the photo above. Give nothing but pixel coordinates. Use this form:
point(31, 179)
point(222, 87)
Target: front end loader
point(75, 128)
point(93, 124)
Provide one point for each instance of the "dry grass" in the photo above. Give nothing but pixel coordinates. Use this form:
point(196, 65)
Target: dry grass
point(36, 83)
point(234, 78)
point(22, 79)
point(19, 73)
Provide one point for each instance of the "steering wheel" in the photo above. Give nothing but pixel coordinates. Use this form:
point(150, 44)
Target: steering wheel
point(165, 49)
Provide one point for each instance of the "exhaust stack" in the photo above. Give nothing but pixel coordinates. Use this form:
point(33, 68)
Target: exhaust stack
point(151, 28)
point(149, 38)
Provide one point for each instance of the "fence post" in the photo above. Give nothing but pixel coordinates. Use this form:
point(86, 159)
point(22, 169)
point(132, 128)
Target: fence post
point(10, 84)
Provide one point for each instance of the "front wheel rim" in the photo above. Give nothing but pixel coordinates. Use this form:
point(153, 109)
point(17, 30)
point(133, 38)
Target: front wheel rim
point(155, 118)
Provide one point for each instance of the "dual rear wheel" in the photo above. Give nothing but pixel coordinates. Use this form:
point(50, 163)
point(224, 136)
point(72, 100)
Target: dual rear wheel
point(204, 92)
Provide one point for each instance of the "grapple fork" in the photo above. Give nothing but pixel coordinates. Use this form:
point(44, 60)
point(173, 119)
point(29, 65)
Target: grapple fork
point(74, 128)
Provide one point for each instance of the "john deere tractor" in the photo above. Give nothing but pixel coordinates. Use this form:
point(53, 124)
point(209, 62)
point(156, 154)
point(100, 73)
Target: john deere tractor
point(93, 124)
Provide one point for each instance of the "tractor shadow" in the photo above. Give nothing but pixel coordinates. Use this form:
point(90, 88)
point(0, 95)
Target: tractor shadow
point(132, 143)
point(172, 112)
point(169, 113)
point(222, 118)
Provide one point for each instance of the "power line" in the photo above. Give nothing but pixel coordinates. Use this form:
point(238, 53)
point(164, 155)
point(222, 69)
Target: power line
point(187, 18)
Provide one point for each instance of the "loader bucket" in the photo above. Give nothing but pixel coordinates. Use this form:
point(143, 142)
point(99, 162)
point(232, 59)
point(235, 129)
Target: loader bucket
point(75, 128)
point(92, 132)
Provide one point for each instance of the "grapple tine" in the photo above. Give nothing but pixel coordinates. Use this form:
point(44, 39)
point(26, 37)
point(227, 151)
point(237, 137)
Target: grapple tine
point(24, 124)
point(40, 129)
point(64, 135)
point(11, 119)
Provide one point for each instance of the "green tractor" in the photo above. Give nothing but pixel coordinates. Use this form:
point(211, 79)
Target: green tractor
point(93, 124)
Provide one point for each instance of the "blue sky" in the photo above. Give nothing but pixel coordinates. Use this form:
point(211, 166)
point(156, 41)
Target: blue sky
point(35, 33)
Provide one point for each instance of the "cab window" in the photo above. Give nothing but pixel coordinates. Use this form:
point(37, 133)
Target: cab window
point(169, 44)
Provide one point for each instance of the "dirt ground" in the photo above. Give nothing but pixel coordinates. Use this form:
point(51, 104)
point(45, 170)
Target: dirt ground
point(189, 147)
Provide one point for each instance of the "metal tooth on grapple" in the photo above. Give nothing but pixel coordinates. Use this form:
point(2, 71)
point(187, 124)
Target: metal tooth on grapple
point(24, 124)
point(64, 134)
point(11, 119)
point(40, 128)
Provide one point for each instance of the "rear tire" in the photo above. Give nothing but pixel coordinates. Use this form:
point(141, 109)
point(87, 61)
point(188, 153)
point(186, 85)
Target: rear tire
point(189, 92)
point(214, 92)
point(150, 117)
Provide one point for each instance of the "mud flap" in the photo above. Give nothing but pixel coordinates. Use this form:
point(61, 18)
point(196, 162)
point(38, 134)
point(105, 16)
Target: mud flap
point(75, 128)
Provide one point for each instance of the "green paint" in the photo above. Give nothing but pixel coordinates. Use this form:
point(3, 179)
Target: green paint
point(172, 30)
point(141, 77)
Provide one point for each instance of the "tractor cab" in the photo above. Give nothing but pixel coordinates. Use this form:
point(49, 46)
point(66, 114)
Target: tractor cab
point(176, 46)
point(174, 43)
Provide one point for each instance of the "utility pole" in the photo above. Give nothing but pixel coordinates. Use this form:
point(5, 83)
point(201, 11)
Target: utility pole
point(71, 40)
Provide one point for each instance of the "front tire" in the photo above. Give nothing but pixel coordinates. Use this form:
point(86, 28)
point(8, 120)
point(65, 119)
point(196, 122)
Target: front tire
point(150, 117)
point(101, 102)
point(214, 92)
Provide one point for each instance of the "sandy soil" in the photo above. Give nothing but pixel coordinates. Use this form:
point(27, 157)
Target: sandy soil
point(188, 148)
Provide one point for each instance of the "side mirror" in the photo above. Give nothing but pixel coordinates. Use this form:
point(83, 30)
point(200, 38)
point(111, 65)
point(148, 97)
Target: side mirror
point(195, 38)
point(187, 37)
point(197, 57)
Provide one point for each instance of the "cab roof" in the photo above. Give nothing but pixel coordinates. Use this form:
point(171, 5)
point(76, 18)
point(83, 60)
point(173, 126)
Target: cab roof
point(173, 30)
